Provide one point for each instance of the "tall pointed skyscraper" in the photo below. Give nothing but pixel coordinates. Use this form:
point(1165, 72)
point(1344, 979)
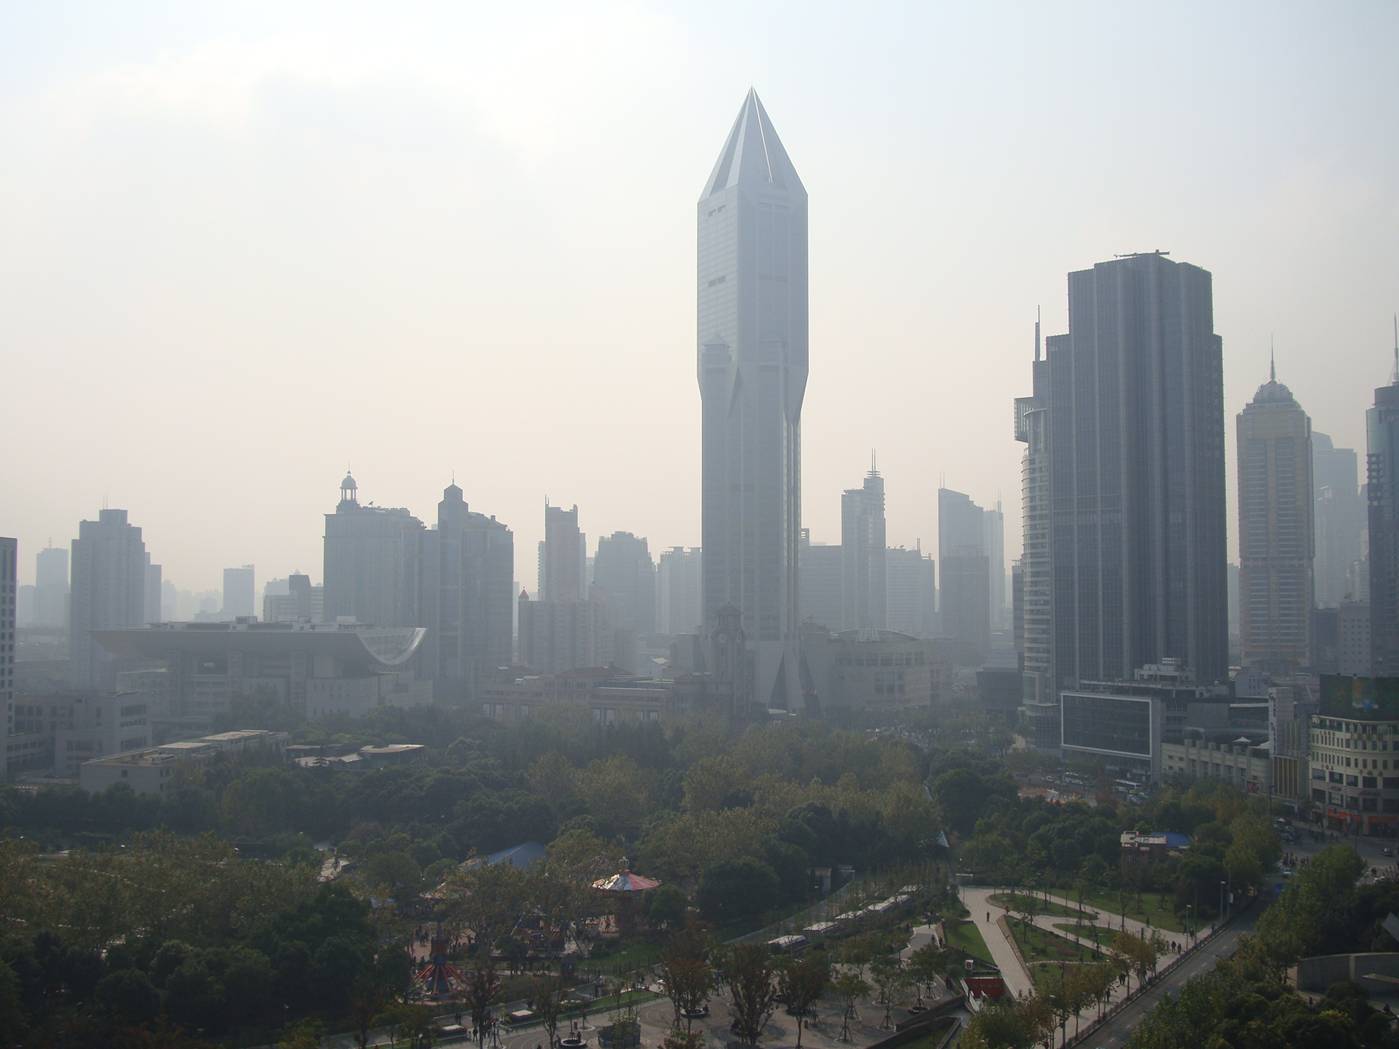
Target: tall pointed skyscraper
point(752, 341)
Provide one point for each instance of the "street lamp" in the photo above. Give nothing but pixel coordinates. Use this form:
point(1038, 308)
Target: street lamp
point(1221, 901)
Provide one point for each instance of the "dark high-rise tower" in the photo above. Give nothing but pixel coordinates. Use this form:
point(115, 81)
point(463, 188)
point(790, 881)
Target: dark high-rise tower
point(1382, 493)
point(1136, 487)
point(752, 345)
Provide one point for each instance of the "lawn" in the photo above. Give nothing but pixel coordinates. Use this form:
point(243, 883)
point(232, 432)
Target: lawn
point(1105, 932)
point(1012, 901)
point(1041, 945)
point(1157, 908)
point(1040, 973)
point(966, 937)
point(636, 954)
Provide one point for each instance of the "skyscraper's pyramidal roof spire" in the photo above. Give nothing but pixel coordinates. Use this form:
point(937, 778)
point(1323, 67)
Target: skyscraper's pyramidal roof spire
point(753, 154)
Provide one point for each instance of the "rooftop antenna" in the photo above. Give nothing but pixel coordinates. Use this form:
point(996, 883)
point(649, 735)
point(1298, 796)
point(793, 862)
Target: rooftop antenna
point(1272, 360)
point(1037, 333)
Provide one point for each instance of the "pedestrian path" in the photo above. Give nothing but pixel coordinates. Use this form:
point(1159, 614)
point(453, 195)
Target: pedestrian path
point(988, 919)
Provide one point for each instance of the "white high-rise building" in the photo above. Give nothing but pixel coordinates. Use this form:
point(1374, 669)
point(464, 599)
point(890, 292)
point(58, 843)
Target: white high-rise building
point(752, 345)
point(1275, 530)
point(109, 592)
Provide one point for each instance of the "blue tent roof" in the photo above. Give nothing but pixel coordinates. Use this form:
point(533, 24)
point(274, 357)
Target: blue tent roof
point(526, 854)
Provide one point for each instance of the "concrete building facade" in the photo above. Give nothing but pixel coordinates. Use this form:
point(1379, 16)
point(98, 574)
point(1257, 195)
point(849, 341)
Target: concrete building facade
point(108, 593)
point(313, 670)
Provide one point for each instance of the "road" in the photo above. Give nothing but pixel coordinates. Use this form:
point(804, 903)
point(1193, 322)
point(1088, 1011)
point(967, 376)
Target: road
point(1119, 1029)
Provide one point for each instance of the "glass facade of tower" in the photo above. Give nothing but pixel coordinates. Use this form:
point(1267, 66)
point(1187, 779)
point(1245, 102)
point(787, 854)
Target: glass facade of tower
point(1136, 474)
point(752, 351)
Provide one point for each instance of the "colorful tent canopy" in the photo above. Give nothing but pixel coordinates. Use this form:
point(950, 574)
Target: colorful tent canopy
point(625, 881)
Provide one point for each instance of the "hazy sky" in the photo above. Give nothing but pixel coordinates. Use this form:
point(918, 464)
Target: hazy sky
point(242, 246)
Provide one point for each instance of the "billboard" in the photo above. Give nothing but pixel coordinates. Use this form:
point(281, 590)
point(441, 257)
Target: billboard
point(1360, 698)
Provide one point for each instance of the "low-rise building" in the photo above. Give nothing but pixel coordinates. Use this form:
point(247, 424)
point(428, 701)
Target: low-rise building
point(316, 669)
point(1355, 753)
point(1243, 762)
point(608, 694)
point(151, 770)
point(874, 669)
point(58, 732)
point(1127, 723)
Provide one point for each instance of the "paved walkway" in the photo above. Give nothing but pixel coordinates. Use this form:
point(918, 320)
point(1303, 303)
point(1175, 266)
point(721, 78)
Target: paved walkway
point(988, 918)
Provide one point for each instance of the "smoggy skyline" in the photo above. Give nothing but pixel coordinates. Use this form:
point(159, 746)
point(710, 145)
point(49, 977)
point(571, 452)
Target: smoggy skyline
point(243, 248)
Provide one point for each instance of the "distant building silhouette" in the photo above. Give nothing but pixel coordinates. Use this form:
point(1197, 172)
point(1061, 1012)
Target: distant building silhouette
point(562, 568)
point(373, 562)
point(965, 594)
point(752, 343)
point(1339, 520)
point(109, 593)
point(468, 597)
point(911, 591)
point(1276, 503)
point(679, 583)
point(821, 567)
point(864, 579)
point(624, 577)
point(239, 592)
point(51, 587)
point(9, 592)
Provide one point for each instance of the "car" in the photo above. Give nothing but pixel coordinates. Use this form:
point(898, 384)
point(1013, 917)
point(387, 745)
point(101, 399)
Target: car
point(1386, 851)
point(1287, 872)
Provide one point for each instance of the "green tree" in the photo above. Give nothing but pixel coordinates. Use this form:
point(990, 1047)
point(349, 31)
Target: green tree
point(752, 991)
point(734, 889)
point(801, 983)
point(850, 986)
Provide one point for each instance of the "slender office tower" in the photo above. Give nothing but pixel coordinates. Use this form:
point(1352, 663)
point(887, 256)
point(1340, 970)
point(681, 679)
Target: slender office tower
point(752, 342)
point(1275, 530)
